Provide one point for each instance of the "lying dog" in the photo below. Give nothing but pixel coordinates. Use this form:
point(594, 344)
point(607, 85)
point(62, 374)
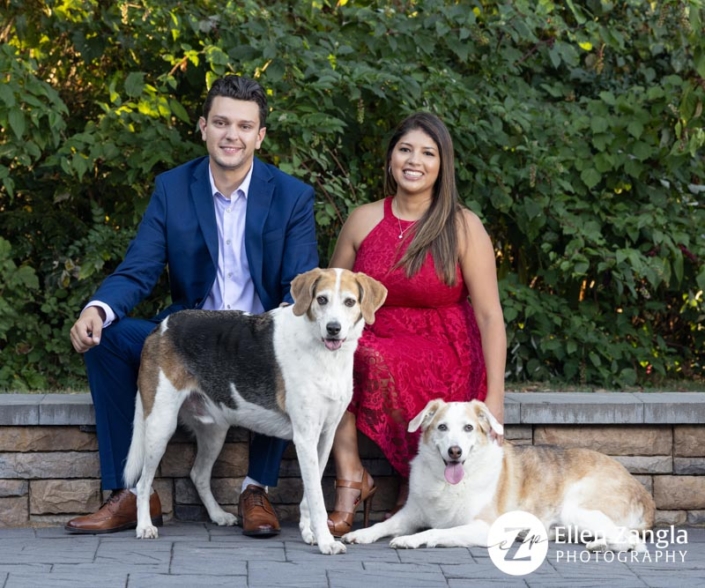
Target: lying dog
point(285, 373)
point(462, 481)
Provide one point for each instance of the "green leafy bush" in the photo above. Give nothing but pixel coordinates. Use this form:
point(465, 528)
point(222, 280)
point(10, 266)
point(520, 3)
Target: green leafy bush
point(578, 129)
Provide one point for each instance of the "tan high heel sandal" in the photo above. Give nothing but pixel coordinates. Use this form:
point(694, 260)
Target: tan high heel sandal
point(340, 521)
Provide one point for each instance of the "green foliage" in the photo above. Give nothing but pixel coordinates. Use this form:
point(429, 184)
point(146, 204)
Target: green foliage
point(578, 130)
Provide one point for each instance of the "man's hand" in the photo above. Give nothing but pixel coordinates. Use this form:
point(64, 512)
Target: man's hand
point(86, 331)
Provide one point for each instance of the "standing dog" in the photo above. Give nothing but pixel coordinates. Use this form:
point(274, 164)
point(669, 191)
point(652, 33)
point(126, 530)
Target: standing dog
point(285, 373)
point(462, 481)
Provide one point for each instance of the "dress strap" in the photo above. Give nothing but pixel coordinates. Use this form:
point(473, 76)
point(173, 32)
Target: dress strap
point(388, 207)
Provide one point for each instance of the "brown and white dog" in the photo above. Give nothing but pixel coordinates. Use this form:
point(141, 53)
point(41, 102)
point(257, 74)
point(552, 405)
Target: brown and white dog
point(462, 481)
point(285, 373)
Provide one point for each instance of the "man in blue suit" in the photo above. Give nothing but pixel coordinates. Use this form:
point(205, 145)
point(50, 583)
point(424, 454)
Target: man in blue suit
point(233, 232)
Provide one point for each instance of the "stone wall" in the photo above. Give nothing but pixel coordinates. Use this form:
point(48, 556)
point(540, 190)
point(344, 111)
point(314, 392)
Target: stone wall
point(49, 470)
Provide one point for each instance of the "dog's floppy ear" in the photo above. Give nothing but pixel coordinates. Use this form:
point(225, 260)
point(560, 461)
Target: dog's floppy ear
point(486, 419)
point(373, 296)
point(302, 288)
point(423, 419)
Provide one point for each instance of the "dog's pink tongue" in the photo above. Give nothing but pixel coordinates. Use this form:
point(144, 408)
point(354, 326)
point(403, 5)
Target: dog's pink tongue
point(333, 344)
point(454, 473)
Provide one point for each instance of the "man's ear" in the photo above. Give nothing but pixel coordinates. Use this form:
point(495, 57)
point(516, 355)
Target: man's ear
point(423, 419)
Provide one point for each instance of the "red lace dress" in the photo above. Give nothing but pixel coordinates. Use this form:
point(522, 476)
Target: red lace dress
point(424, 344)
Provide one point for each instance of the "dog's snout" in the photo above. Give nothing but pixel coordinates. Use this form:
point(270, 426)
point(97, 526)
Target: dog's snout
point(333, 328)
point(455, 452)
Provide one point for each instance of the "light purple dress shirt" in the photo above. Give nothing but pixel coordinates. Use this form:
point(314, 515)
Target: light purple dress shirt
point(233, 288)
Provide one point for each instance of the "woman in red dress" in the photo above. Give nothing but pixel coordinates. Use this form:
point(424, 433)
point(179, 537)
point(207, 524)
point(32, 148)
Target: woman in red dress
point(427, 340)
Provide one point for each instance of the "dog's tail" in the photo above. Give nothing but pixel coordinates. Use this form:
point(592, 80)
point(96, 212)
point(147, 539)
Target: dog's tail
point(135, 457)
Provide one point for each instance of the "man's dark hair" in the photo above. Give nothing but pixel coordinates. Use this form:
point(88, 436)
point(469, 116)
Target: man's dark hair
point(238, 88)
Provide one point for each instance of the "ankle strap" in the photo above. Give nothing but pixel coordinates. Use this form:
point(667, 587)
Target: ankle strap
point(348, 484)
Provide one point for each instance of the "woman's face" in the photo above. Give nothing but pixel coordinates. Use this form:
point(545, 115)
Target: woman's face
point(415, 164)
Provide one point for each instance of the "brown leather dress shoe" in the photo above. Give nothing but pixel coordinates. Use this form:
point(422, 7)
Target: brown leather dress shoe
point(119, 512)
point(257, 516)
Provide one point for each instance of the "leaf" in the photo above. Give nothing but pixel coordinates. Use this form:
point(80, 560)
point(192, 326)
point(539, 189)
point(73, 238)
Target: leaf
point(17, 122)
point(598, 124)
point(635, 129)
point(179, 111)
point(590, 177)
point(134, 84)
point(7, 95)
point(641, 150)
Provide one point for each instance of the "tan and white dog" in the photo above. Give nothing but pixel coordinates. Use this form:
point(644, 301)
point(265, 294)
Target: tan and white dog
point(285, 373)
point(462, 480)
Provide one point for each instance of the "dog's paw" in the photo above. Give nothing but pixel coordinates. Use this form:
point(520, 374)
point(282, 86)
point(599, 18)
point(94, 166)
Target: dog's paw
point(405, 542)
point(596, 545)
point(148, 532)
point(359, 537)
point(307, 535)
point(225, 519)
point(332, 548)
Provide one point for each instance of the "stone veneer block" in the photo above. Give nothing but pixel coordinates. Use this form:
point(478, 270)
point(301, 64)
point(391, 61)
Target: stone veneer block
point(658, 464)
point(612, 440)
point(518, 432)
point(689, 440)
point(689, 466)
point(64, 496)
point(696, 517)
point(287, 491)
point(59, 465)
point(225, 491)
point(24, 439)
point(673, 407)
point(666, 518)
point(679, 492)
point(13, 488)
point(646, 481)
point(66, 409)
point(20, 409)
point(603, 408)
point(179, 457)
point(165, 488)
point(14, 512)
point(512, 410)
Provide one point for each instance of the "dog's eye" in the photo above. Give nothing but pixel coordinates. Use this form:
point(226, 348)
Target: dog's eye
point(322, 300)
point(350, 302)
point(442, 427)
point(468, 428)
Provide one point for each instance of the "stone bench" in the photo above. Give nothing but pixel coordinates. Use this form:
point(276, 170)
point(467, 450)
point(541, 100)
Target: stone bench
point(49, 469)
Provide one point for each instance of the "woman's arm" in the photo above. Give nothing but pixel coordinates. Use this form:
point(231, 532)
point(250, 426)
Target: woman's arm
point(477, 261)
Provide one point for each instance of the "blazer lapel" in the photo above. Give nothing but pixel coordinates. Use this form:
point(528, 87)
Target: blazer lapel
point(205, 210)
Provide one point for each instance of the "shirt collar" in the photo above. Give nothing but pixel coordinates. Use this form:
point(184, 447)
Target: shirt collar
point(245, 186)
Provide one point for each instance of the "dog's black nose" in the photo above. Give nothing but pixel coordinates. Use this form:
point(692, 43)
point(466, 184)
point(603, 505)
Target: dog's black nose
point(333, 328)
point(455, 452)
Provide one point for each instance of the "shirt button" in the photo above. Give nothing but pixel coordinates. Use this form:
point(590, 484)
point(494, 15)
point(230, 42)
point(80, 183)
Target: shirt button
point(227, 242)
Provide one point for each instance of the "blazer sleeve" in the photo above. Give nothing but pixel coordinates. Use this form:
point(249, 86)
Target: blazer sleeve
point(143, 264)
point(301, 247)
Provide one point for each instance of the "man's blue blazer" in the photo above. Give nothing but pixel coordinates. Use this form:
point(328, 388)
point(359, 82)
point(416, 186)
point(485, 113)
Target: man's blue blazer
point(179, 231)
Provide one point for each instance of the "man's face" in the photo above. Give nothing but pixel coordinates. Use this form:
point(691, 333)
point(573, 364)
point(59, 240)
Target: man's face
point(232, 133)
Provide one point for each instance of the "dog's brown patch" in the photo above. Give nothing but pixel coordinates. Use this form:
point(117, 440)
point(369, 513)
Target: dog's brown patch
point(160, 355)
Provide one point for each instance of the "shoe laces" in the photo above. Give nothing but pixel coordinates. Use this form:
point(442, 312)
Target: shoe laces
point(113, 498)
point(255, 499)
